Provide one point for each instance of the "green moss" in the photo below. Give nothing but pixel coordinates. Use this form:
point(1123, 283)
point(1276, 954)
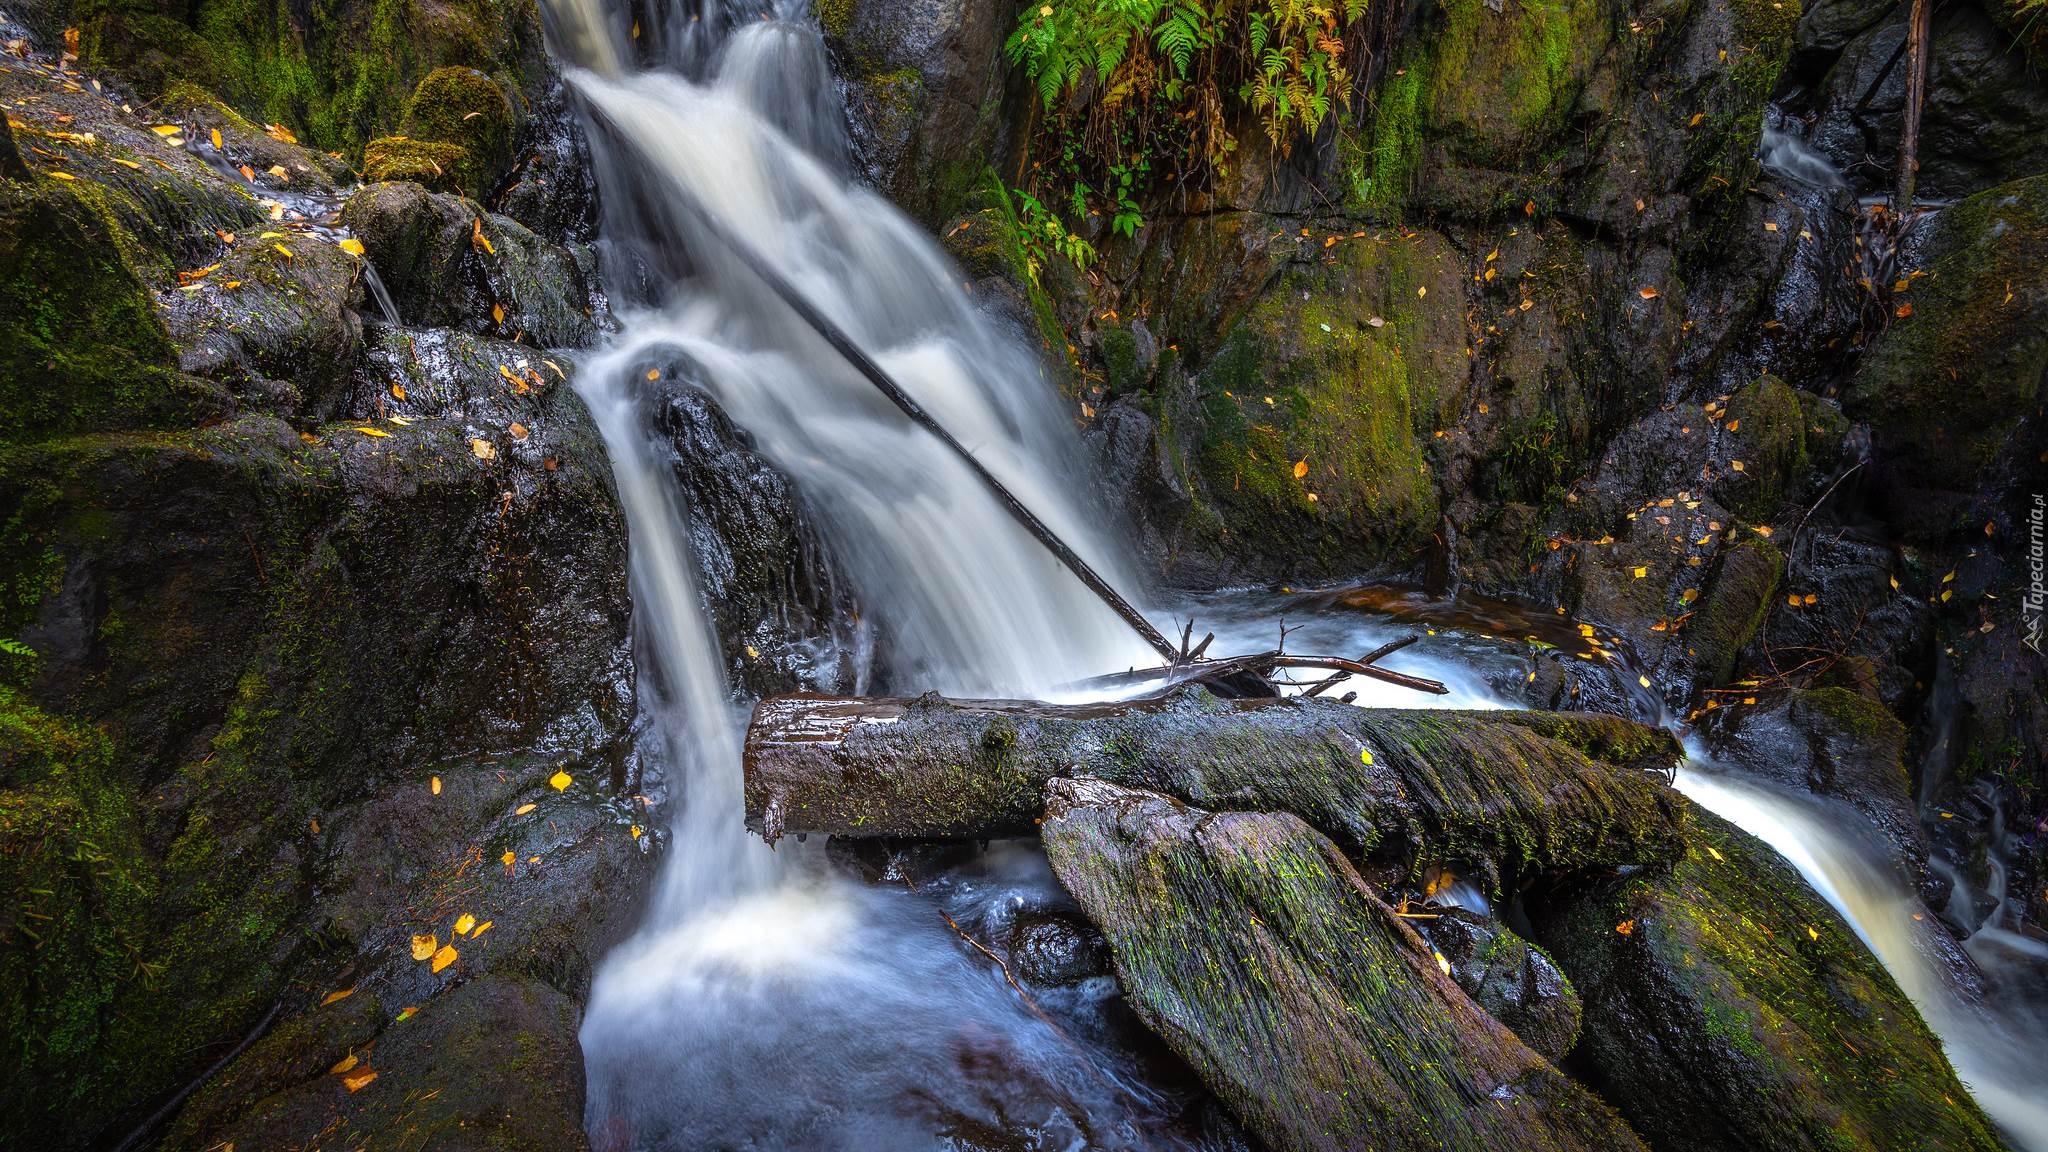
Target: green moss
point(1380, 168)
point(438, 166)
point(836, 17)
point(340, 72)
point(1340, 370)
point(464, 107)
point(1730, 1008)
point(81, 346)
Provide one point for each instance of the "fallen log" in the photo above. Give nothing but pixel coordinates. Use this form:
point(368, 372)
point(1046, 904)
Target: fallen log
point(1227, 676)
point(1253, 948)
point(1504, 792)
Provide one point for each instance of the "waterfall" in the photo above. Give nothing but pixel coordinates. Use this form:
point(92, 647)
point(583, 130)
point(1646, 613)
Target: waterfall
point(766, 1003)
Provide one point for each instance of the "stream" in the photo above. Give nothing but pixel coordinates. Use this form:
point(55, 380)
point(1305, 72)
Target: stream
point(771, 999)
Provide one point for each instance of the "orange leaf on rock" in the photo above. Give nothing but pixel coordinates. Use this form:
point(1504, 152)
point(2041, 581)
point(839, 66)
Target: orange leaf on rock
point(360, 1080)
point(445, 957)
point(423, 946)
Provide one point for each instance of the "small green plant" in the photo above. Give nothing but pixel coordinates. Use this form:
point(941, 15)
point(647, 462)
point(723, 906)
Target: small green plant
point(1041, 235)
point(1130, 85)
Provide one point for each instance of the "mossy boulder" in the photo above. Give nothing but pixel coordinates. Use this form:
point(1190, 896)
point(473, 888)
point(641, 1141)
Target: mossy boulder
point(1252, 947)
point(1769, 438)
point(81, 347)
point(265, 626)
point(449, 264)
point(1944, 389)
point(1514, 981)
point(1303, 442)
point(1728, 1007)
point(339, 75)
point(458, 108)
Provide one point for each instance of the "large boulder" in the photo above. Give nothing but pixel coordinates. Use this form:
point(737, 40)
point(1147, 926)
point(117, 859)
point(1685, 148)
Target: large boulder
point(1728, 1007)
point(1945, 388)
point(1248, 942)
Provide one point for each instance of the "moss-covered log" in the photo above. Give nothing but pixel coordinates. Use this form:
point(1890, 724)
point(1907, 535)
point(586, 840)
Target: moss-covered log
point(1250, 944)
point(1517, 791)
point(1727, 1007)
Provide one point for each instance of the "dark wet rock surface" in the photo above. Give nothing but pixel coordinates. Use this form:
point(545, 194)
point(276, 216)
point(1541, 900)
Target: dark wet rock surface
point(1514, 981)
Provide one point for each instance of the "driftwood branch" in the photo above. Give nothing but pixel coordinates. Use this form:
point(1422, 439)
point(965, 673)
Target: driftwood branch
point(1230, 674)
point(1917, 29)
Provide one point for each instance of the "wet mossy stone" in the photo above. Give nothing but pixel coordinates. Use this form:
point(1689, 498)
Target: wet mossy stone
point(1341, 370)
point(1770, 440)
point(437, 165)
point(1248, 942)
point(1515, 982)
point(1729, 1009)
point(81, 347)
point(1946, 386)
point(464, 107)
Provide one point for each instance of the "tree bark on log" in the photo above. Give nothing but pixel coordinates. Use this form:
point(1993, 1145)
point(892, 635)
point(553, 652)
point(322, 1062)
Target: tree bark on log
point(1249, 943)
point(1514, 792)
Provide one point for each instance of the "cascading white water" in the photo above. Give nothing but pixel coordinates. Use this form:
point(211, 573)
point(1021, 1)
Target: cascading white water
point(766, 1003)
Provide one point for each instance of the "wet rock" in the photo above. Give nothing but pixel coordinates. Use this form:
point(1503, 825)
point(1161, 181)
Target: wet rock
point(246, 144)
point(1248, 942)
point(266, 628)
point(286, 335)
point(81, 348)
point(786, 623)
point(1728, 1007)
point(1769, 438)
point(1339, 371)
point(1986, 103)
point(1831, 742)
point(1514, 981)
point(492, 1065)
point(511, 285)
point(464, 108)
point(1948, 385)
point(1052, 950)
point(552, 189)
point(924, 86)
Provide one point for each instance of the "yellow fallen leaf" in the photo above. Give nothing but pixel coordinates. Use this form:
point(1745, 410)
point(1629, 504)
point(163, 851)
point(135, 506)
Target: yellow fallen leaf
point(560, 781)
point(167, 129)
point(1441, 963)
point(481, 929)
point(1365, 755)
point(509, 858)
point(423, 946)
point(344, 1064)
point(517, 430)
point(1812, 933)
point(1647, 292)
point(214, 135)
point(378, 433)
point(1626, 927)
point(464, 923)
point(478, 239)
point(435, 785)
point(445, 957)
point(634, 831)
point(497, 313)
point(1422, 290)
point(407, 1013)
point(1643, 680)
point(1735, 464)
point(1300, 469)
point(360, 1080)
point(284, 250)
point(1733, 425)
point(63, 176)
point(522, 810)
point(1689, 595)
point(1711, 851)
point(653, 374)
point(1762, 530)
point(126, 163)
point(1792, 600)
point(278, 171)
point(482, 450)
point(350, 245)
point(398, 391)
point(332, 997)
point(1640, 571)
